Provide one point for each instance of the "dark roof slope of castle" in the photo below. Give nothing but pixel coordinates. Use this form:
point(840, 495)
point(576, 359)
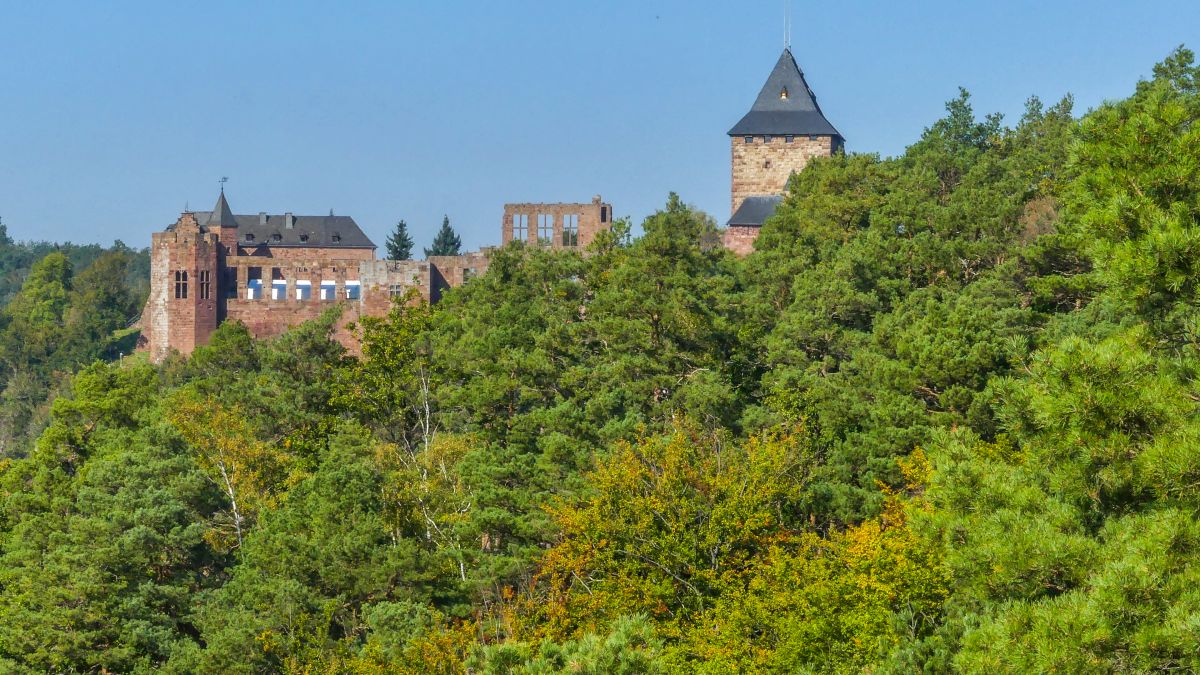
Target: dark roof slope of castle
point(308, 231)
point(222, 215)
point(272, 230)
point(785, 106)
point(754, 211)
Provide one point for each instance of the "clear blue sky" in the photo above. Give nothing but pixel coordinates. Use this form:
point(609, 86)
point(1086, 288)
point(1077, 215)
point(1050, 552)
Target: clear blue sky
point(114, 115)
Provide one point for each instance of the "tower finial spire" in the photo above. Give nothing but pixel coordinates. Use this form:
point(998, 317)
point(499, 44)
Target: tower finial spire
point(787, 24)
point(222, 182)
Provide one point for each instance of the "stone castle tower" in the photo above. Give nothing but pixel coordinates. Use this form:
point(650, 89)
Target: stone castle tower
point(784, 129)
point(184, 261)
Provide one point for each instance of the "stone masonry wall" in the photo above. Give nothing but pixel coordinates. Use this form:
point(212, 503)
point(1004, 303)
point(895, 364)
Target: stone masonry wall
point(592, 218)
point(452, 271)
point(380, 282)
point(762, 166)
point(304, 253)
point(739, 239)
point(181, 322)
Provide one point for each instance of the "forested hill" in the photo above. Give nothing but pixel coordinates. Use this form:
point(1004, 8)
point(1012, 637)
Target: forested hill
point(62, 306)
point(942, 420)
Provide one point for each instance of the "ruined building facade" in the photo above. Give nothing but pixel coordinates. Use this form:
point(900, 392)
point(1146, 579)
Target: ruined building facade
point(560, 226)
point(783, 131)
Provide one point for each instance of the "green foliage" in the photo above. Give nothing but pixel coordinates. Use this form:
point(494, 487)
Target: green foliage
point(669, 525)
point(445, 242)
point(1137, 199)
point(58, 322)
point(629, 649)
point(399, 243)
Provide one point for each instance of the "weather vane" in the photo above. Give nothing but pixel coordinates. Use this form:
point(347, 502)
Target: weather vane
point(223, 180)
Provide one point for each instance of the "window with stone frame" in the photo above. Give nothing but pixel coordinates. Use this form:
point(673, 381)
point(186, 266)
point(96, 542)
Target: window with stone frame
point(205, 282)
point(254, 283)
point(520, 227)
point(181, 284)
point(545, 228)
point(570, 230)
point(278, 284)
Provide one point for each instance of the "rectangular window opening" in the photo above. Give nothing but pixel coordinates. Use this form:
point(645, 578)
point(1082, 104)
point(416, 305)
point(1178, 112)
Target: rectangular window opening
point(181, 283)
point(205, 284)
point(570, 232)
point(353, 290)
point(328, 290)
point(254, 283)
point(303, 289)
point(231, 282)
point(545, 228)
point(520, 227)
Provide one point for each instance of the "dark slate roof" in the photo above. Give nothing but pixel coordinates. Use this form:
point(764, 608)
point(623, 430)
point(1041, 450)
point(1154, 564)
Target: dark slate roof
point(319, 229)
point(774, 115)
point(308, 231)
point(222, 216)
point(754, 211)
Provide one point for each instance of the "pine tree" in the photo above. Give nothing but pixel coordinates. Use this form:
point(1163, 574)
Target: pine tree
point(399, 243)
point(446, 242)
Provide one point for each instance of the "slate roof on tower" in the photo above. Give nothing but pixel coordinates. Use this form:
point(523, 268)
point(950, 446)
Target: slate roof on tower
point(754, 211)
point(222, 215)
point(785, 106)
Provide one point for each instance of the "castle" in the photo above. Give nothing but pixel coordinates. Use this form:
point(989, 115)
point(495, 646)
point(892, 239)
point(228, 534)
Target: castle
point(272, 272)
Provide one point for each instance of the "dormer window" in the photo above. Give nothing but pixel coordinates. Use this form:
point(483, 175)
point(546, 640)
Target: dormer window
point(304, 237)
point(336, 237)
point(783, 94)
point(249, 237)
point(277, 237)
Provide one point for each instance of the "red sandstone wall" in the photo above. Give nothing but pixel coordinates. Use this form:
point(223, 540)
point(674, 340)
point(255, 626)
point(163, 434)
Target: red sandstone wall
point(740, 239)
point(453, 271)
point(181, 323)
point(593, 218)
point(269, 318)
point(305, 253)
